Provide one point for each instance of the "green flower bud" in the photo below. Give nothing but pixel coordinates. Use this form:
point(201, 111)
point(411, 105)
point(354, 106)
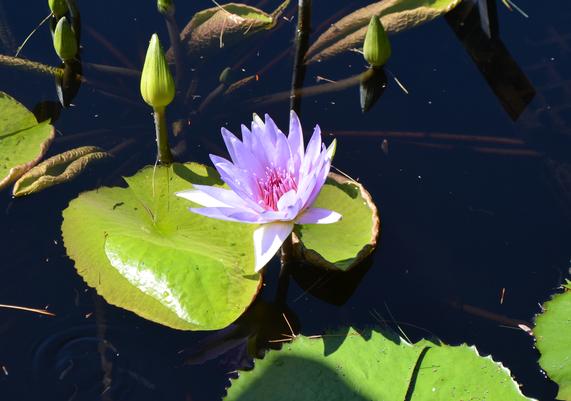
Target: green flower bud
point(58, 7)
point(65, 43)
point(165, 6)
point(157, 83)
point(377, 48)
point(225, 76)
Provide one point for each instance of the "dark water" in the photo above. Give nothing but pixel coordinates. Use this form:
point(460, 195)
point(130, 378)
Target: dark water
point(463, 215)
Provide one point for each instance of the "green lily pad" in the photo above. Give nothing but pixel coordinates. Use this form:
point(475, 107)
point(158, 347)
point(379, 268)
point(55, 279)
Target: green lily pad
point(57, 169)
point(346, 243)
point(553, 334)
point(396, 15)
point(378, 365)
point(225, 25)
point(23, 141)
point(144, 251)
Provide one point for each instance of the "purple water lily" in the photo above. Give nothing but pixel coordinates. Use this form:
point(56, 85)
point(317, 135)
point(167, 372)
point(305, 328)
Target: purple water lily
point(273, 182)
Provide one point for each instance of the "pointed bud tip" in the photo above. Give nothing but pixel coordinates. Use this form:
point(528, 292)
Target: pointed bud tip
point(157, 83)
point(376, 48)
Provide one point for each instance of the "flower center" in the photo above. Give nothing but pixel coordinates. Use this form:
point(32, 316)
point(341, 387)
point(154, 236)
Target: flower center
point(273, 185)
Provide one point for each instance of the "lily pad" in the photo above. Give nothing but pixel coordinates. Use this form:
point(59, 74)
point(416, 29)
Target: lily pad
point(379, 365)
point(553, 334)
point(144, 251)
point(58, 169)
point(346, 243)
point(23, 141)
point(396, 15)
point(226, 25)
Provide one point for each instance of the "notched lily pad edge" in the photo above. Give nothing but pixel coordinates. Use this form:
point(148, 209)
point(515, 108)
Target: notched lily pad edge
point(392, 336)
point(313, 257)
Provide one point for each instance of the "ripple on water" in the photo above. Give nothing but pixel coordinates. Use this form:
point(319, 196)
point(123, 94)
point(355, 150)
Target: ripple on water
point(79, 364)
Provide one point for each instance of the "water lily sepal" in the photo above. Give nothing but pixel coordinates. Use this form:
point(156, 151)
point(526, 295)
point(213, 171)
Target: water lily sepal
point(157, 83)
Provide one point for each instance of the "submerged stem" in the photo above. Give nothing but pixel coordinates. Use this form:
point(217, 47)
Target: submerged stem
point(286, 257)
point(164, 151)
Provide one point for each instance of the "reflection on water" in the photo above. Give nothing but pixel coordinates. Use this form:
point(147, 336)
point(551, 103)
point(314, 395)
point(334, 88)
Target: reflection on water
point(474, 206)
point(476, 25)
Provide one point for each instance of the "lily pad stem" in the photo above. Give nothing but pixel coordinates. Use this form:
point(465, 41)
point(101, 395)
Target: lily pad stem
point(29, 65)
point(165, 155)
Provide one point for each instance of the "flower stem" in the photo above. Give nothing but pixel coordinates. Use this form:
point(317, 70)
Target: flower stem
point(301, 45)
point(164, 151)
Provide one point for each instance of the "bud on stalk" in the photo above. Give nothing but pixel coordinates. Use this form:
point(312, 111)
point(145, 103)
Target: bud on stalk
point(377, 48)
point(65, 42)
point(157, 83)
point(58, 8)
point(158, 90)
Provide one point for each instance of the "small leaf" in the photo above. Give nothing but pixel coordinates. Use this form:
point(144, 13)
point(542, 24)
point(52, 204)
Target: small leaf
point(144, 251)
point(226, 25)
point(57, 169)
point(553, 334)
point(376, 365)
point(346, 243)
point(396, 15)
point(23, 141)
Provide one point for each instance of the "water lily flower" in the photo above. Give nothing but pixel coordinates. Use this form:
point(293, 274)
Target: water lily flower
point(273, 182)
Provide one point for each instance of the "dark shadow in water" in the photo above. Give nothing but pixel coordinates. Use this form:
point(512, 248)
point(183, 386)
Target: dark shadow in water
point(479, 37)
point(332, 286)
point(263, 326)
point(372, 88)
point(47, 110)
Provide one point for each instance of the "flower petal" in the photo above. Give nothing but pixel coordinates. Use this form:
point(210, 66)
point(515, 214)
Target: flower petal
point(295, 139)
point(312, 153)
point(316, 215)
point(241, 156)
point(228, 214)
point(209, 196)
point(240, 181)
point(267, 240)
point(289, 200)
point(203, 199)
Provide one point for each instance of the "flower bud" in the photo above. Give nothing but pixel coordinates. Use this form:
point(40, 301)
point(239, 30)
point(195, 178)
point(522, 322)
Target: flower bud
point(65, 43)
point(225, 76)
point(157, 83)
point(377, 48)
point(165, 6)
point(58, 7)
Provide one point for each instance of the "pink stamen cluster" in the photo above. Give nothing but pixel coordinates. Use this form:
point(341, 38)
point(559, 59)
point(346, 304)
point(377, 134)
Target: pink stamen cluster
point(273, 185)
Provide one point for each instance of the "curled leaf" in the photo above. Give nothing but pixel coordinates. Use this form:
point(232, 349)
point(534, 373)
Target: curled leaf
point(57, 169)
point(225, 25)
point(396, 15)
point(23, 141)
